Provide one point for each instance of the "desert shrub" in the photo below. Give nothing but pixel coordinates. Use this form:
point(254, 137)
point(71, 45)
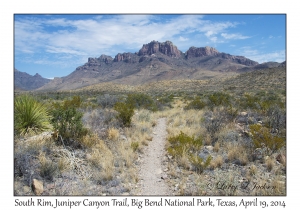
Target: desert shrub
point(183, 142)
point(276, 119)
point(134, 145)
point(262, 137)
point(231, 113)
point(184, 146)
point(48, 168)
point(30, 116)
point(141, 100)
point(248, 101)
point(67, 119)
point(98, 120)
point(164, 101)
point(213, 122)
point(107, 100)
point(218, 99)
point(144, 115)
point(197, 103)
point(261, 101)
point(125, 111)
point(199, 164)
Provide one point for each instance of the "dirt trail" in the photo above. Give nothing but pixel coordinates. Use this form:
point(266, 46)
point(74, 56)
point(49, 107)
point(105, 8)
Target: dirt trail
point(152, 172)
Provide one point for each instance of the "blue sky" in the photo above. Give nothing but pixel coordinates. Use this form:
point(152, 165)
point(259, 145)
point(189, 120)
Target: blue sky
point(54, 45)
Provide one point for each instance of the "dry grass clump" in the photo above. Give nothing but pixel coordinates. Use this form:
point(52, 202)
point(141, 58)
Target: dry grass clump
point(217, 162)
point(48, 168)
point(216, 147)
point(207, 140)
point(63, 165)
point(253, 170)
point(188, 121)
point(101, 157)
point(126, 154)
point(269, 163)
point(113, 134)
point(183, 161)
point(36, 144)
point(237, 153)
point(89, 140)
point(141, 131)
point(279, 186)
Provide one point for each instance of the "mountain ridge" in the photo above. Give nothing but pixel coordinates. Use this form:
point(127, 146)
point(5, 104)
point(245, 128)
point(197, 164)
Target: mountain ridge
point(155, 61)
point(25, 81)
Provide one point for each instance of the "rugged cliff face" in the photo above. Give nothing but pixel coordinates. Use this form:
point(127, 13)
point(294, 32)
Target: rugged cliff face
point(194, 52)
point(166, 48)
point(155, 61)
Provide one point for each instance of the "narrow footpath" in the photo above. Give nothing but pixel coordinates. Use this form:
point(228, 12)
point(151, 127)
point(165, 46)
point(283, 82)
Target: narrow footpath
point(152, 175)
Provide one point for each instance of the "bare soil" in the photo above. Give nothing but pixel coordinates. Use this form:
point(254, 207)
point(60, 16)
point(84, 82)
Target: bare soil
point(152, 172)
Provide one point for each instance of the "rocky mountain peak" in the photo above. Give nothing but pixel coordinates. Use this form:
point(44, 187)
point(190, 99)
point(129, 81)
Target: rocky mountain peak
point(27, 82)
point(201, 51)
point(167, 48)
point(37, 75)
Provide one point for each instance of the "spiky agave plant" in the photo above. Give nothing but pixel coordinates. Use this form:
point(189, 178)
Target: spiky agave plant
point(30, 116)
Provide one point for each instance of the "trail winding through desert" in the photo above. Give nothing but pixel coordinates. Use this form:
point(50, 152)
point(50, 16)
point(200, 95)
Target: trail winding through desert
point(151, 173)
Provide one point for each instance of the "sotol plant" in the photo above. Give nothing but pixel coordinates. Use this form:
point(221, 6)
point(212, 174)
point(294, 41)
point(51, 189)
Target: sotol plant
point(30, 116)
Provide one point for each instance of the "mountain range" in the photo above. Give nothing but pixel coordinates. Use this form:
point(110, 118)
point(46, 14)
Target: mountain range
point(155, 61)
point(24, 81)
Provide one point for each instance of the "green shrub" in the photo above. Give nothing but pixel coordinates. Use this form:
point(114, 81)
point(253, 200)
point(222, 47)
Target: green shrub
point(261, 101)
point(261, 137)
point(196, 104)
point(141, 100)
point(125, 111)
point(182, 143)
point(134, 146)
point(164, 101)
point(67, 119)
point(218, 99)
point(231, 113)
point(248, 101)
point(199, 164)
point(30, 116)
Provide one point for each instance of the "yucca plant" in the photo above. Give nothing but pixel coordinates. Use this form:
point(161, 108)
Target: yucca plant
point(30, 116)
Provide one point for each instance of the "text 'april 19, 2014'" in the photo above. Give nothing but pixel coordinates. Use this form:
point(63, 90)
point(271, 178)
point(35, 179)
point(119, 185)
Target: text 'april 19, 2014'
point(139, 203)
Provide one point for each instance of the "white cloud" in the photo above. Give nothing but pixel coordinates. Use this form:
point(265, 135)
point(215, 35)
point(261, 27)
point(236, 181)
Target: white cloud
point(214, 39)
point(183, 39)
point(111, 34)
point(234, 36)
point(261, 57)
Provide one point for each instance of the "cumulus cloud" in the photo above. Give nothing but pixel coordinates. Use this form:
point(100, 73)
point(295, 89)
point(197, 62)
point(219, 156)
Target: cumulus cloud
point(69, 39)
